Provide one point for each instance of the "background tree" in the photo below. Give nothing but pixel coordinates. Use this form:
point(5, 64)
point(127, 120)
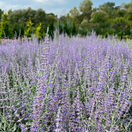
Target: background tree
point(74, 14)
point(128, 8)
point(39, 16)
point(108, 8)
point(1, 12)
point(29, 28)
point(4, 26)
point(122, 26)
point(107, 19)
point(100, 22)
point(38, 32)
point(86, 8)
point(51, 30)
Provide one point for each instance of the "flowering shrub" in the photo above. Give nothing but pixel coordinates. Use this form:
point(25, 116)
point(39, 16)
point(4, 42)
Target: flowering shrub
point(66, 85)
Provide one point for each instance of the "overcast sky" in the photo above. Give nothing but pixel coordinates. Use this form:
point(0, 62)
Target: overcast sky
point(59, 7)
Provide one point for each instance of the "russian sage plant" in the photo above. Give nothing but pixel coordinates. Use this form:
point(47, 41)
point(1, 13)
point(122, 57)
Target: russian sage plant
point(66, 85)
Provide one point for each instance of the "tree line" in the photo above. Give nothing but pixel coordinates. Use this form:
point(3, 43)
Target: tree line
point(107, 19)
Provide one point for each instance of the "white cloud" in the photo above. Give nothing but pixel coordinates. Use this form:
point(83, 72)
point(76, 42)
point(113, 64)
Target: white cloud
point(6, 6)
point(1, 3)
point(51, 2)
point(55, 6)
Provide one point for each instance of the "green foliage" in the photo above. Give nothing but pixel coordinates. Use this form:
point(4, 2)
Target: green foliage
point(86, 6)
point(29, 29)
point(129, 10)
point(38, 31)
point(8, 126)
point(51, 18)
point(51, 30)
point(4, 26)
point(107, 19)
point(67, 25)
point(121, 25)
point(21, 16)
point(74, 12)
point(99, 17)
point(108, 8)
point(74, 29)
point(100, 22)
point(1, 12)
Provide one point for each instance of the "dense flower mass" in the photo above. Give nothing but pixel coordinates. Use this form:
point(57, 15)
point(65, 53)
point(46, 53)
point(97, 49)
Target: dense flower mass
point(66, 85)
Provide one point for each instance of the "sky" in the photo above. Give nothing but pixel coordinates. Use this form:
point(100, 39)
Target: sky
point(58, 7)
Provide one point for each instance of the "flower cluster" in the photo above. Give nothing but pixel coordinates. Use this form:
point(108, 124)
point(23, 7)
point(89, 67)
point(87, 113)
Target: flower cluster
point(66, 85)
